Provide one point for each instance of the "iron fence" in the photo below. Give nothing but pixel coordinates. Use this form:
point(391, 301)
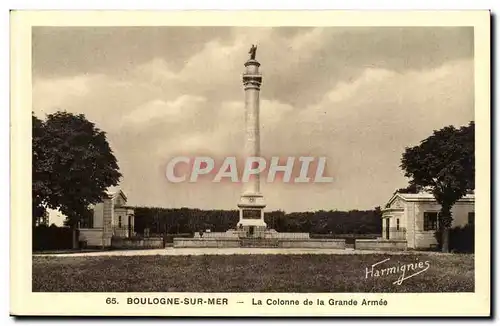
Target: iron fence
point(123, 232)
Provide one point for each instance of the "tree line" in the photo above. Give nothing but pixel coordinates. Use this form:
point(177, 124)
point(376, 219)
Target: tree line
point(190, 220)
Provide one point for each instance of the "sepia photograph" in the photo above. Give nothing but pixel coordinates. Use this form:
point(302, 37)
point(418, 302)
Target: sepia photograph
point(228, 159)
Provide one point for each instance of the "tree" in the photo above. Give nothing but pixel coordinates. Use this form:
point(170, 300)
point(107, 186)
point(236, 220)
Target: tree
point(444, 163)
point(40, 171)
point(74, 165)
point(411, 189)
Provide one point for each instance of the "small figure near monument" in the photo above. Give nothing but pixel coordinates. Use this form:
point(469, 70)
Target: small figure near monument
point(253, 52)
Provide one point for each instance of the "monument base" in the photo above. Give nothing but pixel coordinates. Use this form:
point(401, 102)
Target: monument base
point(251, 207)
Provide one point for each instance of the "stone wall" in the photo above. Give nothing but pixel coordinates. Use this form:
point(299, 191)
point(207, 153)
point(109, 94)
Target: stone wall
point(263, 243)
point(267, 234)
point(313, 243)
point(372, 244)
point(286, 235)
point(127, 243)
point(93, 237)
point(206, 243)
point(231, 234)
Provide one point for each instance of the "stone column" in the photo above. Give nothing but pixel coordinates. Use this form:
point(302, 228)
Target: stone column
point(107, 222)
point(252, 202)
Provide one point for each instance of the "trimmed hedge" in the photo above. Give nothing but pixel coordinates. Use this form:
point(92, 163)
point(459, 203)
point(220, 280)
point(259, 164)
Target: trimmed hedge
point(52, 238)
point(461, 239)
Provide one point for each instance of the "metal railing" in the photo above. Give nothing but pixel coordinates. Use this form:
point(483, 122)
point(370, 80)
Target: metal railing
point(123, 232)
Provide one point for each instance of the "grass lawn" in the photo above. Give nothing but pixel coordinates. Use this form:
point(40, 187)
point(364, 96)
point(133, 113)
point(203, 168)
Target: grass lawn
point(250, 273)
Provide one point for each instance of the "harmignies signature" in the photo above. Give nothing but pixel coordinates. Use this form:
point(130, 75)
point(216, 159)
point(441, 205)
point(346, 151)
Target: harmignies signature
point(405, 271)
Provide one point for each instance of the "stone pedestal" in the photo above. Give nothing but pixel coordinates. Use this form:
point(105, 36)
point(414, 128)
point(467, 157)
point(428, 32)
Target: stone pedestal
point(252, 215)
point(252, 210)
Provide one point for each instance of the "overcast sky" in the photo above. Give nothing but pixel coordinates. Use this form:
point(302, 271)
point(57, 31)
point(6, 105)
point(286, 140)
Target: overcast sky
point(357, 96)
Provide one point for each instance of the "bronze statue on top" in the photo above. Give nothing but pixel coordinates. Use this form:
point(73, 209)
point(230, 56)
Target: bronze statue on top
point(253, 52)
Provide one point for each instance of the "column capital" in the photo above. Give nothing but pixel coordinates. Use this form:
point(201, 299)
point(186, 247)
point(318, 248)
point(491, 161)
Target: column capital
point(252, 63)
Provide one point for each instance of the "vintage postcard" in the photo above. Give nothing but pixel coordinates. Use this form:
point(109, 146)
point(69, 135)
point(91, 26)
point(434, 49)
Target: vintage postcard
point(267, 163)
